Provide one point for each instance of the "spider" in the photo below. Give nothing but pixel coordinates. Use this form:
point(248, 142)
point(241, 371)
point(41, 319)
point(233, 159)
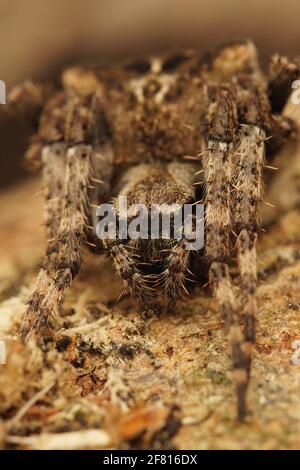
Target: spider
point(174, 128)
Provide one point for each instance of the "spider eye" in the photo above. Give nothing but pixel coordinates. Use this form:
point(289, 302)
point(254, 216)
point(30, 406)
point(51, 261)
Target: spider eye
point(173, 62)
point(138, 66)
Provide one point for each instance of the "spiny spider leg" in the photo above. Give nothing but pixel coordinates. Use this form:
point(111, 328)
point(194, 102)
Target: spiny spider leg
point(259, 129)
point(220, 134)
point(247, 196)
point(64, 256)
point(256, 124)
point(53, 157)
point(174, 275)
point(53, 160)
point(127, 266)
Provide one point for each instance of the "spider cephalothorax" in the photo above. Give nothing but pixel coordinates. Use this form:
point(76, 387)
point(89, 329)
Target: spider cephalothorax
point(173, 129)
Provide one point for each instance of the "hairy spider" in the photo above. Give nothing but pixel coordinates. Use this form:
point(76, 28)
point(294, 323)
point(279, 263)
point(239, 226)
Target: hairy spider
point(132, 130)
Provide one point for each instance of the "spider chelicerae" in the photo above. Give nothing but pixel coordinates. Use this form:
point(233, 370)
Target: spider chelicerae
point(175, 128)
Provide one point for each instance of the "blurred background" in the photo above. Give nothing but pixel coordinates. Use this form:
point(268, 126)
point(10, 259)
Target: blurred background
point(40, 37)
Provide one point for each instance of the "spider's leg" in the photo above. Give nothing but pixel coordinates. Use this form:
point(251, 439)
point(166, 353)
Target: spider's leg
point(127, 266)
point(53, 158)
point(174, 275)
point(67, 228)
point(218, 148)
point(257, 124)
point(247, 196)
point(240, 57)
point(262, 130)
point(180, 255)
point(102, 169)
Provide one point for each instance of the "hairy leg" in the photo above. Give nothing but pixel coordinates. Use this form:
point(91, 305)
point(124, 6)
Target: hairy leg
point(175, 273)
point(217, 161)
point(126, 261)
point(67, 209)
point(257, 123)
point(261, 126)
point(247, 196)
point(53, 176)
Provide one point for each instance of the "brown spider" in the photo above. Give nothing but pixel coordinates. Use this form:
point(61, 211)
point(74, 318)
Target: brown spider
point(131, 130)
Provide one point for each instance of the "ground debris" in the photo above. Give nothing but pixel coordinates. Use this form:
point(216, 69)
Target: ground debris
point(109, 376)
